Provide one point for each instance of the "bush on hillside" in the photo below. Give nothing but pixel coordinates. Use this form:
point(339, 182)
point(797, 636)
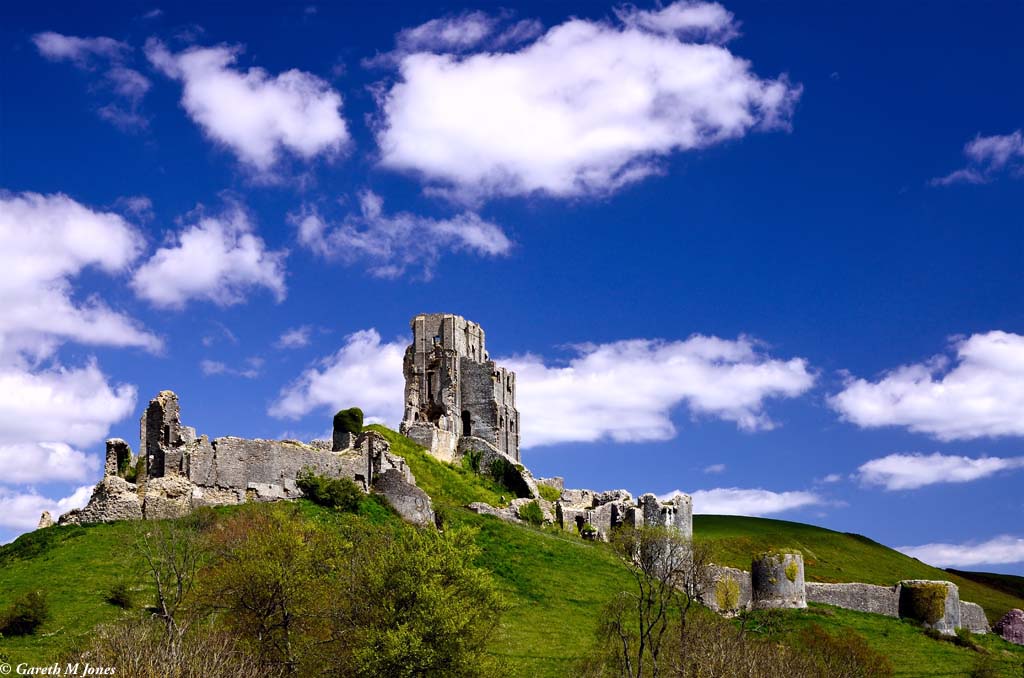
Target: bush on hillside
point(349, 421)
point(336, 493)
point(844, 655)
point(549, 492)
point(25, 615)
point(120, 595)
point(532, 513)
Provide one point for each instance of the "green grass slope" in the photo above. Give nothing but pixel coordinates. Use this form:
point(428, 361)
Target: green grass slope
point(831, 556)
point(555, 584)
point(1007, 583)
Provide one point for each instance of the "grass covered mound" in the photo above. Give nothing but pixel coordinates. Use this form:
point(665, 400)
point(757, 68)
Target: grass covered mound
point(554, 584)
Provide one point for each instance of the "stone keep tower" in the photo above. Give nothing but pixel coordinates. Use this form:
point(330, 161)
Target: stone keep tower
point(453, 391)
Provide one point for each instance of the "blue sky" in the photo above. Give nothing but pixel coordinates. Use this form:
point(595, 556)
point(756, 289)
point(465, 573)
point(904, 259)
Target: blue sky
point(770, 255)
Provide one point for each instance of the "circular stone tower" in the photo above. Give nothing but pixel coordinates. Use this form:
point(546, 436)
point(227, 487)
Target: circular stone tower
point(777, 580)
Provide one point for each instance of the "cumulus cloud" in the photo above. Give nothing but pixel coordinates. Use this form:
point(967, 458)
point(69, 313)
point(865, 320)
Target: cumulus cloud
point(584, 109)
point(987, 157)
point(979, 394)
point(623, 391)
point(910, 471)
point(46, 462)
point(626, 391)
point(1000, 550)
point(707, 21)
point(128, 84)
point(257, 116)
point(390, 244)
point(74, 405)
point(218, 259)
point(364, 372)
point(46, 241)
point(735, 501)
point(296, 337)
point(21, 510)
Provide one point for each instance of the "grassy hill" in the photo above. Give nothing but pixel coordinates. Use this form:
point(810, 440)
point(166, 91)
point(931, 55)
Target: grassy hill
point(555, 583)
point(1007, 583)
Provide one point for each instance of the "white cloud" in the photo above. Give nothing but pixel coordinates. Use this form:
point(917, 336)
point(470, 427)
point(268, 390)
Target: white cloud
point(586, 108)
point(256, 115)
point(987, 157)
point(832, 478)
point(215, 367)
point(735, 501)
point(391, 244)
point(80, 51)
point(910, 471)
point(296, 337)
point(45, 462)
point(69, 405)
point(128, 84)
point(715, 468)
point(45, 241)
point(364, 373)
point(218, 259)
point(450, 33)
point(21, 510)
point(688, 20)
point(999, 550)
point(625, 391)
point(980, 394)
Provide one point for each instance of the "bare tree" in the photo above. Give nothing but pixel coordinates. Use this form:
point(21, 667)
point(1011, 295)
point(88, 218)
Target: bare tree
point(173, 554)
point(668, 570)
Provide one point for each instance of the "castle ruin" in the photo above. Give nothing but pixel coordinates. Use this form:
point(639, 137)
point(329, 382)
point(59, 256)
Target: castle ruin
point(177, 471)
point(456, 397)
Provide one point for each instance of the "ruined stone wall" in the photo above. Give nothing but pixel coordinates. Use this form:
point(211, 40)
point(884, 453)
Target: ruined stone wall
point(861, 597)
point(726, 590)
point(912, 591)
point(972, 617)
point(182, 472)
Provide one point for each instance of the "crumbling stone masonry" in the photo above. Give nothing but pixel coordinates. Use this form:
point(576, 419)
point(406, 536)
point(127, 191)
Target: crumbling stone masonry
point(605, 511)
point(1011, 626)
point(777, 580)
point(179, 471)
point(453, 390)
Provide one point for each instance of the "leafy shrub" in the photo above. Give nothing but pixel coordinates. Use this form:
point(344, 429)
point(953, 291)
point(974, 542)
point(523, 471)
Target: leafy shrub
point(924, 602)
point(338, 493)
point(588, 531)
point(120, 595)
point(984, 667)
point(845, 654)
point(549, 492)
point(531, 513)
point(727, 594)
point(25, 615)
point(350, 420)
point(471, 460)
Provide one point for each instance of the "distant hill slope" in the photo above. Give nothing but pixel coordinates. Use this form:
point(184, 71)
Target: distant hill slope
point(1007, 583)
point(555, 583)
point(831, 556)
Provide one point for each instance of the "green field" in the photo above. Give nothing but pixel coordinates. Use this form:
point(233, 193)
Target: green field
point(555, 583)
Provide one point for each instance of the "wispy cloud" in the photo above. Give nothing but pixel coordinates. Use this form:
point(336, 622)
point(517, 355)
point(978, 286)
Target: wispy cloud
point(911, 471)
point(735, 501)
point(1001, 550)
point(988, 157)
